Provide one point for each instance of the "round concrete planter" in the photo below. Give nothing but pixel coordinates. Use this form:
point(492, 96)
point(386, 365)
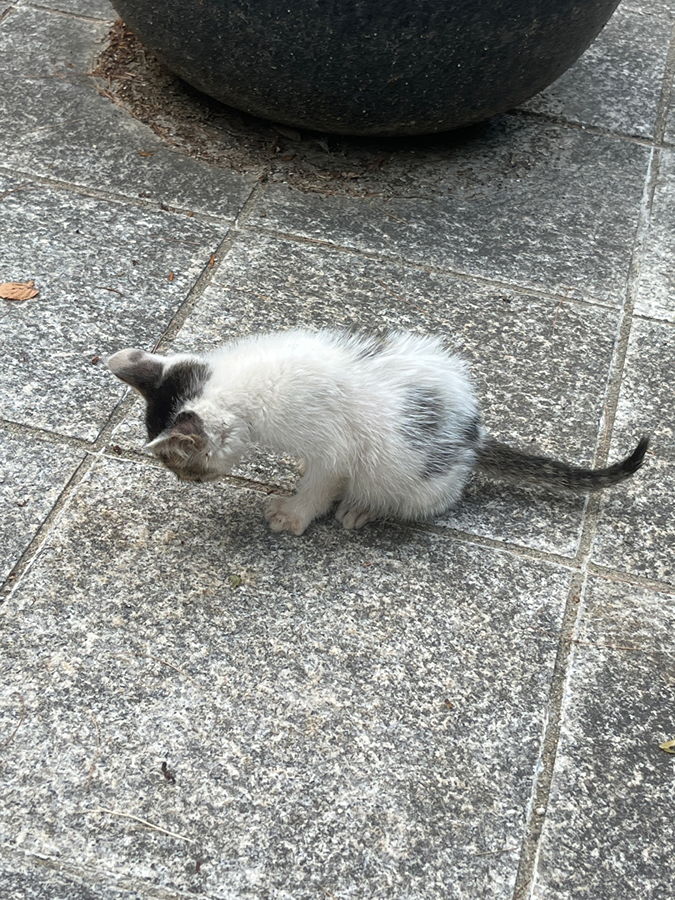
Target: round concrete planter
point(368, 66)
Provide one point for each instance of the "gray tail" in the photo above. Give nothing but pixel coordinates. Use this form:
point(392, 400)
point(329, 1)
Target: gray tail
point(500, 461)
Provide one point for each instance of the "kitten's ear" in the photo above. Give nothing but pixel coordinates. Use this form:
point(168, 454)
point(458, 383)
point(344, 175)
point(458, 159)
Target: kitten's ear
point(185, 436)
point(139, 369)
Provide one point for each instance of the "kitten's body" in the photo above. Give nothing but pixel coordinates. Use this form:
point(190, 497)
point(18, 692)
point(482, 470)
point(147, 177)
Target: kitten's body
point(391, 427)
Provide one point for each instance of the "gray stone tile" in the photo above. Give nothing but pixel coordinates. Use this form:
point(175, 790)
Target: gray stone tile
point(29, 878)
point(68, 131)
point(616, 85)
point(609, 825)
point(104, 282)
point(636, 532)
point(540, 367)
point(94, 9)
point(525, 202)
point(296, 689)
point(655, 295)
point(32, 475)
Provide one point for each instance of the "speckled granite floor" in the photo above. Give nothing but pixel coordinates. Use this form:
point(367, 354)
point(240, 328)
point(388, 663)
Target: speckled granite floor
point(191, 706)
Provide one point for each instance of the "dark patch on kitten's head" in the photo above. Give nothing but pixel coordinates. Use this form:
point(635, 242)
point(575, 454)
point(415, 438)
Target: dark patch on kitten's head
point(138, 369)
point(166, 387)
point(178, 384)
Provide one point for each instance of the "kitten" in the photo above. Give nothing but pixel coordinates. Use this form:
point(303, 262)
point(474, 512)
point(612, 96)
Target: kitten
point(388, 427)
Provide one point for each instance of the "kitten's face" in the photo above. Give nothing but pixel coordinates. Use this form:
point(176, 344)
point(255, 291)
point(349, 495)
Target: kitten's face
point(176, 433)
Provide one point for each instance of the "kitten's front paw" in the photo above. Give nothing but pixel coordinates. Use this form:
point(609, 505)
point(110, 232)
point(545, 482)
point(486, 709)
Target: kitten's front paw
point(283, 515)
point(352, 516)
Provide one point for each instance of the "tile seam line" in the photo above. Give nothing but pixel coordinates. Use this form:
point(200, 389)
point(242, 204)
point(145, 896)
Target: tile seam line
point(430, 268)
point(94, 193)
point(616, 369)
point(19, 429)
point(32, 551)
point(608, 574)
point(65, 14)
point(587, 128)
point(232, 223)
point(541, 789)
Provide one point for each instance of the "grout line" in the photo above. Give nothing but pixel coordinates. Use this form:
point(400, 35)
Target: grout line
point(505, 546)
point(31, 552)
point(43, 434)
point(90, 877)
point(586, 127)
point(113, 197)
point(95, 450)
point(549, 748)
point(650, 584)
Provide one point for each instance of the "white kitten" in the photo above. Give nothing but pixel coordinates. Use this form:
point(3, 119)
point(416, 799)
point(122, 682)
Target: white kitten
point(389, 427)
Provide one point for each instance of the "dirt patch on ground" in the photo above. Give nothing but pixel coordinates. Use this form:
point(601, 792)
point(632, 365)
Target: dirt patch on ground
point(131, 76)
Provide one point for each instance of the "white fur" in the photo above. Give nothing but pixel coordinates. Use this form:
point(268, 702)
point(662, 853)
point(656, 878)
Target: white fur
point(321, 397)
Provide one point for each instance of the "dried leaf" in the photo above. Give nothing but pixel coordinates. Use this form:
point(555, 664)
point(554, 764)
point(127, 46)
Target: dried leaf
point(18, 290)
point(235, 580)
point(668, 746)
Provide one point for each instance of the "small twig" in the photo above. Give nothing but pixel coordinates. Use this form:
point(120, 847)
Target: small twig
point(401, 297)
point(100, 287)
point(496, 852)
point(23, 715)
point(164, 663)
point(392, 216)
point(171, 666)
point(559, 306)
point(572, 640)
point(114, 812)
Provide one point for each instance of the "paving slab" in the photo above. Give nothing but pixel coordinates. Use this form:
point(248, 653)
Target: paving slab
point(609, 827)
point(32, 475)
point(636, 533)
point(92, 9)
point(68, 131)
point(655, 294)
point(356, 713)
point(616, 84)
point(107, 281)
point(23, 877)
point(523, 201)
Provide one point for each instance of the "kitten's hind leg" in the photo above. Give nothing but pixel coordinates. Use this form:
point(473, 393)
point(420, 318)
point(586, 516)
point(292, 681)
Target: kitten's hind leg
point(316, 492)
point(352, 515)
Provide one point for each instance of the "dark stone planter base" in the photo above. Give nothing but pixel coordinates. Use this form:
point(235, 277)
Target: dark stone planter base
point(365, 67)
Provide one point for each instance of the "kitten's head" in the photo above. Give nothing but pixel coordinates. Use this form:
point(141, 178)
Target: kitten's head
point(177, 433)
